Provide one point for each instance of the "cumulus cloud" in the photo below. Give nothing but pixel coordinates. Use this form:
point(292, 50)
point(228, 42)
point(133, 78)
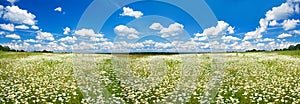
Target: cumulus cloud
point(123, 30)
point(34, 27)
point(276, 13)
point(12, 1)
point(58, 9)
point(44, 36)
point(130, 12)
point(266, 40)
point(30, 41)
point(221, 28)
point(290, 24)
point(67, 30)
point(156, 26)
point(273, 23)
point(13, 36)
point(22, 27)
point(173, 30)
point(8, 27)
point(252, 35)
point(1, 10)
point(297, 8)
point(203, 38)
point(260, 45)
point(280, 12)
point(1, 32)
point(87, 33)
point(230, 30)
point(19, 16)
point(284, 35)
point(230, 38)
point(68, 39)
point(296, 32)
point(257, 34)
point(37, 45)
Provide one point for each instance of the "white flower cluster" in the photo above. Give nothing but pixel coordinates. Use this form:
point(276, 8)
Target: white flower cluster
point(89, 78)
point(38, 79)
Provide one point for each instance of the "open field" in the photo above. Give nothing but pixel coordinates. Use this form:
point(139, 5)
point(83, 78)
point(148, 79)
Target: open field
point(184, 78)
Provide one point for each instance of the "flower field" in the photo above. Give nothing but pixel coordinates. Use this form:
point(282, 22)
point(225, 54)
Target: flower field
point(183, 78)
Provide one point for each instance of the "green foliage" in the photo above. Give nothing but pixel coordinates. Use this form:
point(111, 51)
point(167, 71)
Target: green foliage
point(15, 55)
point(295, 53)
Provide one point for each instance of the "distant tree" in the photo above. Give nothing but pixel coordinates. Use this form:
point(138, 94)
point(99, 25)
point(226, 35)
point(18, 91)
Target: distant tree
point(297, 47)
point(1, 47)
point(6, 48)
point(254, 50)
point(292, 47)
point(285, 49)
point(13, 50)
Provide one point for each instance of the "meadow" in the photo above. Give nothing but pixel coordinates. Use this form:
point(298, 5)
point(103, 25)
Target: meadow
point(258, 77)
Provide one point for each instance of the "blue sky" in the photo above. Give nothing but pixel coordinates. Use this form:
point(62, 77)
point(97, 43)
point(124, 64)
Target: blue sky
point(60, 25)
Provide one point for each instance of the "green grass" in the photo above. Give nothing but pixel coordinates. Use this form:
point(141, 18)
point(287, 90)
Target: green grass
point(15, 55)
point(295, 53)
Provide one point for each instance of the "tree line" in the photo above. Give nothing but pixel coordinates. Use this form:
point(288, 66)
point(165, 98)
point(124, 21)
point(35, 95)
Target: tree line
point(7, 49)
point(290, 48)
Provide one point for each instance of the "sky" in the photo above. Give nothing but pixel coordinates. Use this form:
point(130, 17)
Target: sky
point(149, 25)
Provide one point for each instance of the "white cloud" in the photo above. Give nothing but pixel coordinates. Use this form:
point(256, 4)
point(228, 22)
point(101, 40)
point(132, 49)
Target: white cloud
point(297, 8)
point(198, 34)
point(290, 24)
point(252, 35)
point(221, 28)
point(26, 44)
point(44, 36)
point(19, 16)
point(173, 30)
point(1, 10)
point(21, 27)
point(64, 45)
point(37, 45)
point(67, 30)
point(293, 1)
point(8, 27)
point(230, 30)
point(230, 38)
point(156, 26)
point(1, 32)
point(30, 41)
point(123, 30)
point(280, 12)
point(297, 32)
point(257, 34)
point(87, 33)
point(14, 36)
point(260, 45)
point(130, 12)
point(273, 23)
point(266, 40)
point(197, 38)
point(12, 1)
point(95, 39)
point(59, 9)
point(68, 39)
point(34, 27)
point(284, 35)
point(276, 13)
